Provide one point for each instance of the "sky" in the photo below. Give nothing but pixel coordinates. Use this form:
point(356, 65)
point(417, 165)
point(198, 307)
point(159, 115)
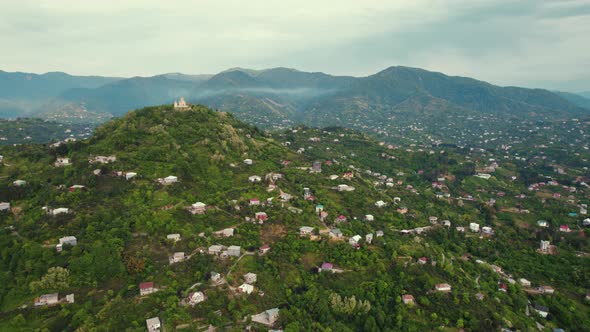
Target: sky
point(531, 43)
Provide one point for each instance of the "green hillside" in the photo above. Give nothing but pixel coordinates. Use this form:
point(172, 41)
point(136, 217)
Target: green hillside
point(236, 170)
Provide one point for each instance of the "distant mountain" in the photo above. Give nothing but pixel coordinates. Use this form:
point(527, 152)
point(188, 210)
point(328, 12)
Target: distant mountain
point(274, 98)
point(575, 99)
point(585, 94)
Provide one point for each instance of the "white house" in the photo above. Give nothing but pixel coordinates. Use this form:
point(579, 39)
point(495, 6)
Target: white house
point(234, 251)
point(353, 241)
point(254, 178)
point(19, 183)
point(4, 206)
point(380, 204)
point(198, 208)
point(524, 282)
point(369, 217)
point(305, 231)
point(170, 179)
point(62, 162)
point(59, 211)
point(248, 161)
point(196, 297)
point(69, 240)
point(130, 175)
point(474, 227)
point(250, 278)
point(369, 238)
point(153, 324)
point(174, 237)
point(246, 288)
point(443, 287)
point(177, 257)
point(544, 247)
point(47, 299)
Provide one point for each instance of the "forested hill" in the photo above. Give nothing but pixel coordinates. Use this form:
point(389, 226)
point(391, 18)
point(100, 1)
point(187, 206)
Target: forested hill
point(164, 196)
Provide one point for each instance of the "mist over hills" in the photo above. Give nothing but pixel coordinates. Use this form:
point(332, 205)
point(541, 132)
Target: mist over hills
point(279, 96)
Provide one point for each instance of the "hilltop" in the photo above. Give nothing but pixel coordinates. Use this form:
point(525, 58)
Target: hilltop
point(159, 182)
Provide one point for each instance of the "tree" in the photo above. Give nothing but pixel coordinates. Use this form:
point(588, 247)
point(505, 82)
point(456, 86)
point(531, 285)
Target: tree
point(56, 278)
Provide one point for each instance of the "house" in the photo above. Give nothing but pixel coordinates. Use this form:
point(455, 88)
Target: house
point(19, 183)
point(402, 210)
point(316, 167)
point(326, 267)
point(261, 216)
point(541, 310)
point(254, 201)
point(564, 228)
point(58, 211)
point(369, 238)
point(480, 296)
point(198, 208)
point(227, 232)
point(170, 179)
point(369, 217)
point(380, 204)
point(379, 233)
point(433, 219)
point(76, 187)
point(486, 230)
point(474, 227)
point(340, 219)
point(250, 278)
point(264, 249)
point(102, 159)
point(269, 317)
point(174, 237)
point(195, 298)
point(546, 289)
point(68, 240)
point(146, 288)
point(248, 162)
point(177, 257)
point(153, 324)
point(319, 208)
point(130, 175)
point(460, 229)
point(524, 282)
point(354, 241)
point(333, 177)
point(542, 223)
point(502, 287)
point(408, 299)
point(234, 251)
point(446, 223)
point(344, 187)
point(442, 287)
point(60, 162)
point(254, 178)
point(70, 298)
point(216, 249)
point(586, 222)
point(215, 277)
point(181, 104)
point(305, 231)
point(483, 176)
point(47, 299)
point(4, 206)
point(544, 247)
point(246, 288)
point(422, 260)
point(336, 233)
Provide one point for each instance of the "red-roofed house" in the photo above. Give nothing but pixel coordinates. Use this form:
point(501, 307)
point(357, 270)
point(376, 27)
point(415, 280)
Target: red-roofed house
point(564, 228)
point(146, 288)
point(408, 299)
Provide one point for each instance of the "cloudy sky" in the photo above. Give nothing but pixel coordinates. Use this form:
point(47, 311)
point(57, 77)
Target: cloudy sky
point(533, 43)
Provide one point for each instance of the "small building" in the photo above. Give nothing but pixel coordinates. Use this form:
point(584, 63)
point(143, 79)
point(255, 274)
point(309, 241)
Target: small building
point(542, 223)
point(541, 310)
point(19, 183)
point(173, 237)
point(181, 104)
point(234, 251)
point(254, 178)
point(326, 267)
point(546, 289)
point(369, 217)
point(153, 324)
point(269, 317)
point(216, 249)
point(198, 208)
point(422, 260)
point(442, 287)
point(70, 298)
point(146, 288)
point(250, 278)
point(379, 233)
point(460, 229)
point(380, 204)
point(408, 299)
point(47, 299)
point(369, 238)
point(215, 277)
point(177, 257)
point(354, 241)
point(195, 298)
point(66, 240)
point(564, 228)
point(248, 162)
point(261, 216)
point(305, 231)
point(170, 179)
point(336, 233)
point(446, 223)
point(474, 227)
point(60, 162)
point(263, 249)
point(246, 288)
point(4, 206)
point(130, 175)
point(544, 247)
point(524, 282)
point(486, 230)
point(254, 201)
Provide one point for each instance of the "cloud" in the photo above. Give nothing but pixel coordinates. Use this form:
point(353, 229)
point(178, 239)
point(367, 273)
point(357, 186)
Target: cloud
point(527, 42)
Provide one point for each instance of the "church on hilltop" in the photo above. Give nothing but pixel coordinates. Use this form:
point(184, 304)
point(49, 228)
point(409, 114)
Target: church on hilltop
point(181, 104)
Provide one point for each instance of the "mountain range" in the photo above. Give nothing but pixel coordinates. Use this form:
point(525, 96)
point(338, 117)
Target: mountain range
point(276, 97)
